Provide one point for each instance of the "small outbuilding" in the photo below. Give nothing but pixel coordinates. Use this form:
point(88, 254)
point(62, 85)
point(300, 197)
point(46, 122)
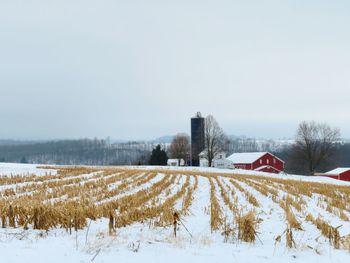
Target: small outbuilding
point(257, 161)
point(338, 173)
point(176, 162)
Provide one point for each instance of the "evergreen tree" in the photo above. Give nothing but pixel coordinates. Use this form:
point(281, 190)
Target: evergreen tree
point(158, 156)
point(23, 160)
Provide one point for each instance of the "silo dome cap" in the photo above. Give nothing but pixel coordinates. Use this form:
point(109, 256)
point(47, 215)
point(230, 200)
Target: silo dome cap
point(198, 114)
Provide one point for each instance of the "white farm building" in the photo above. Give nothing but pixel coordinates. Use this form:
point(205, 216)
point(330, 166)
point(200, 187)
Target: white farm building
point(219, 161)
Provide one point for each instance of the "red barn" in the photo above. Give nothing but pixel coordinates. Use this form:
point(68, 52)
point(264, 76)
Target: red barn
point(339, 173)
point(258, 161)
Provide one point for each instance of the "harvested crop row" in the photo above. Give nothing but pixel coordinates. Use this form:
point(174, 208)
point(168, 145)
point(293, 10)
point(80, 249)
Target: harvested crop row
point(66, 214)
point(231, 205)
point(61, 173)
point(44, 192)
point(328, 231)
point(216, 215)
point(250, 198)
point(188, 198)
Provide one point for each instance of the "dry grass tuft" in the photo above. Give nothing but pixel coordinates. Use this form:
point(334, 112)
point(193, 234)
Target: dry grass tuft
point(328, 231)
point(289, 238)
point(289, 215)
point(247, 225)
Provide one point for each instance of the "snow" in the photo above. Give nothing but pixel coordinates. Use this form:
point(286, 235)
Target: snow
point(140, 242)
point(338, 171)
point(23, 169)
point(316, 179)
point(245, 157)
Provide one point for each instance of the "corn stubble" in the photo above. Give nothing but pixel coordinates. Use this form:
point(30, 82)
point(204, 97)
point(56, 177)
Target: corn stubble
point(75, 195)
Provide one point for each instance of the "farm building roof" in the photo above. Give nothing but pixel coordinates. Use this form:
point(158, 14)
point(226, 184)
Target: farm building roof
point(263, 167)
point(338, 170)
point(245, 157)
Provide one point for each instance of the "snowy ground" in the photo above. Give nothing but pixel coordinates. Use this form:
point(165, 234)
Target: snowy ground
point(15, 169)
point(141, 243)
point(319, 179)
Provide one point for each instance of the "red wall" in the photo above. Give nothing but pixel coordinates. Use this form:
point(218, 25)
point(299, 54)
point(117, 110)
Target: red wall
point(345, 176)
point(269, 159)
point(243, 166)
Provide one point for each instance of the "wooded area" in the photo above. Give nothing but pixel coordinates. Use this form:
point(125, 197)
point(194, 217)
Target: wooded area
point(102, 152)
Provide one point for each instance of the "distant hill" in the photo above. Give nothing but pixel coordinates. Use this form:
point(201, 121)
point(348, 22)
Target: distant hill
point(164, 139)
point(17, 142)
point(82, 151)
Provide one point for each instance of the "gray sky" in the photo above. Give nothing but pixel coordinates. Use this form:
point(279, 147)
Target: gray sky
point(140, 69)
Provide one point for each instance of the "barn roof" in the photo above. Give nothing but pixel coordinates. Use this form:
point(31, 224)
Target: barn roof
point(266, 166)
point(247, 157)
point(338, 170)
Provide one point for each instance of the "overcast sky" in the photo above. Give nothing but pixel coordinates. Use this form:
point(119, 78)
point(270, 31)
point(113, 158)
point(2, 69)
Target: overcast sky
point(140, 69)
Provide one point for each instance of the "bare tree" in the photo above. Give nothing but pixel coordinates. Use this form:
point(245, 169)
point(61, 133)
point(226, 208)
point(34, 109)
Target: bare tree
point(214, 138)
point(315, 143)
point(237, 145)
point(180, 147)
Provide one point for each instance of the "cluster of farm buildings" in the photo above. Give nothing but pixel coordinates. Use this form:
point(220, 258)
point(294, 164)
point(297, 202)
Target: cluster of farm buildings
point(256, 161)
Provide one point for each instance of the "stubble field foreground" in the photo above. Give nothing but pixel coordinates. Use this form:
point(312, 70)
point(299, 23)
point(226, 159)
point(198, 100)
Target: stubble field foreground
point(145, 214)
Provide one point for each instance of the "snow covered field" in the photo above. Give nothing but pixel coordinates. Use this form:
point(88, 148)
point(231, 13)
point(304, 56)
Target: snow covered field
point(145, 233)
point(15, 168)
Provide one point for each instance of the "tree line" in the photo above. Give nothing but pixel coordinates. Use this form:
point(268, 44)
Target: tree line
point(316, 148)
point(79, 152)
